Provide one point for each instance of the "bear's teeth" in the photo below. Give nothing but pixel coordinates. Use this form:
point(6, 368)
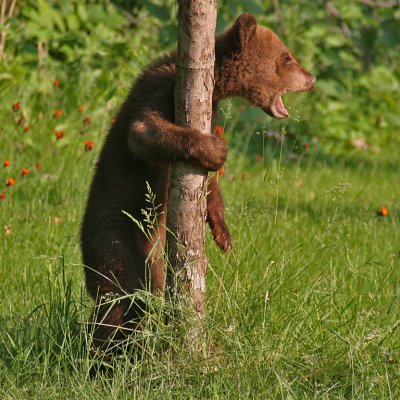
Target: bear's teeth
point(280, 107)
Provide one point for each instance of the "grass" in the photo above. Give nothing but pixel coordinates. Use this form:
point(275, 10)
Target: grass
point(304, 307)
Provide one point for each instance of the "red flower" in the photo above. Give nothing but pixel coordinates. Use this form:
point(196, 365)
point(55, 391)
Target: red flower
point(258, 157)
point(21, 120)
point(27, 128)
point(87, 121)
point(81, 109)
point(38, 165)
point(383, 212)
point(6, 163)
point(10, 182)
point(2, 196)
point(58, 113)
point(221, 172)
point(306, 146)
point(24, 171)
point(56, 83)
point(219, 131)
point(59, 135)
point(16, 106)
point(89, 145)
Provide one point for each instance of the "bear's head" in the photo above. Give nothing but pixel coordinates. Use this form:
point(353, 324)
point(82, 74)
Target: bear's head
point(253, 63)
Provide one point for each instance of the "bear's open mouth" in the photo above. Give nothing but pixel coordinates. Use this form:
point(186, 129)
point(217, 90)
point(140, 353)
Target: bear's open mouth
point(277, 108)
point(280, 107)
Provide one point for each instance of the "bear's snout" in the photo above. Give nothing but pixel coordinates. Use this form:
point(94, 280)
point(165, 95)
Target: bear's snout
point(312, 80)
point(303, 81)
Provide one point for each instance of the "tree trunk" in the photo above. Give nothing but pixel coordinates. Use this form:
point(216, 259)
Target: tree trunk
point(194, 84)
point(5, 15)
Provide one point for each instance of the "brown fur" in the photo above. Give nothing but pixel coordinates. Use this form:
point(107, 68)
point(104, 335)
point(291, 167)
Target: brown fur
point(143, 142)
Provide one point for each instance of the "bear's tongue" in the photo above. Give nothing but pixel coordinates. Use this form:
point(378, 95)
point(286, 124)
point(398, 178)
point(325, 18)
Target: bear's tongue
point(280, 107)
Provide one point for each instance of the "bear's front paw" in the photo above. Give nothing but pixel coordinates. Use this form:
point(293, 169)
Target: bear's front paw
point(222, 237)
point(213, 152)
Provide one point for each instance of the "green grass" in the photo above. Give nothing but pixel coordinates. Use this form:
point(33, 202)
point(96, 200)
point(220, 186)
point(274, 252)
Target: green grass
point(306, 306)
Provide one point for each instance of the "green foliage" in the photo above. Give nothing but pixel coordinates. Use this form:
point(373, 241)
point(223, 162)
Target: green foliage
point(351, 47)
point(81, 45)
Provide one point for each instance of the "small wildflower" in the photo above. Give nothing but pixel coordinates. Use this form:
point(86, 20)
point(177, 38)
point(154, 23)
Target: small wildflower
point(87, 121)
point(306, 146)
point(20, 120)
point(27, 128)
point(24, 171)
point(57, 220)
point(58, 113)
point(6, 163)
point(38, 165)
point(2, 196)
point(258, 157)
point(10, 182)
point(81, 108)
point(56, 83)
point(8, 229)
point(221, 172)
point(16, 106)
point(219, 131)
point(89, 145)
point(383, 212)
point(59, 135)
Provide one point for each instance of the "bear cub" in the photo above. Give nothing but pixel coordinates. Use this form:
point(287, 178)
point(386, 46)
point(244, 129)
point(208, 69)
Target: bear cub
point(140, 147)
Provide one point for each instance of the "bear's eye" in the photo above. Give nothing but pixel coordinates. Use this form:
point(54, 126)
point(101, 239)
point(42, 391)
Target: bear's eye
point(287, 59)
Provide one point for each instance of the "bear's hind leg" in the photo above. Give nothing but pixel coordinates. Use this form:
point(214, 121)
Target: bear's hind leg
point(115, 319)
point(116, 270)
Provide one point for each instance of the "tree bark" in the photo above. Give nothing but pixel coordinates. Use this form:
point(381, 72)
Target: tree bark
point(194, 84)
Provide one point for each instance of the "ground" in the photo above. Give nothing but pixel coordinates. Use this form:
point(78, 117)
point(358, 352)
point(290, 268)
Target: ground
point(305, 306)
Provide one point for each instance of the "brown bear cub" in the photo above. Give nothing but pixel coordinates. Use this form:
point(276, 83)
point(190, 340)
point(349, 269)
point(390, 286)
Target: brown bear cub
point(141, 145)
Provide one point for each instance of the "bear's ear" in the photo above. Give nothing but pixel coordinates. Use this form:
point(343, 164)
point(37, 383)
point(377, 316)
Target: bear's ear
point(244, 28)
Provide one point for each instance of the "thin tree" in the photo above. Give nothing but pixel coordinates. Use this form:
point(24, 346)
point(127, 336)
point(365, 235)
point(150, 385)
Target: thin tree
point(6, 12)
point(194, 84)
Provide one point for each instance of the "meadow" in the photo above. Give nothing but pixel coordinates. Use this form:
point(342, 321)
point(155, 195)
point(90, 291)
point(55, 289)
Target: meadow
point(306, 306)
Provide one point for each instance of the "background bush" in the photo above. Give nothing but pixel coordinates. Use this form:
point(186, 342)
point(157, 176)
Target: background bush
point(100, 46)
